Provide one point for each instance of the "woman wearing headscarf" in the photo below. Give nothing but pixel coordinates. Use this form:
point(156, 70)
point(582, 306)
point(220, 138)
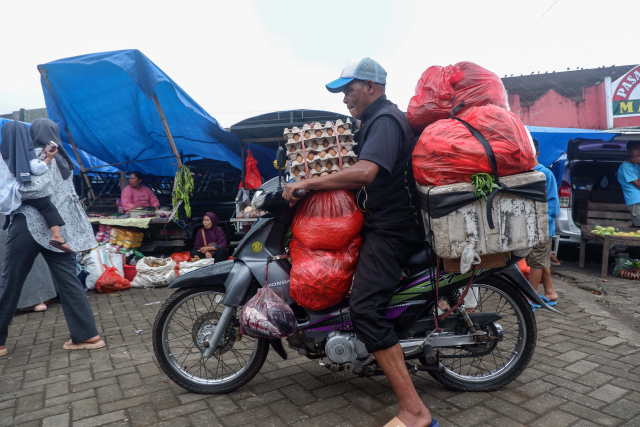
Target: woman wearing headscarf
point(28, 236)
point(210, 242)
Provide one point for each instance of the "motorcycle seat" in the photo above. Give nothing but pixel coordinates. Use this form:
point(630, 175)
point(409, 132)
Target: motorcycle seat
point(422, 258)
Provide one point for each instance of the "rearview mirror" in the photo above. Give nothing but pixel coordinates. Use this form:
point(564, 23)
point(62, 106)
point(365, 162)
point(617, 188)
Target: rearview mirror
point(281, 158)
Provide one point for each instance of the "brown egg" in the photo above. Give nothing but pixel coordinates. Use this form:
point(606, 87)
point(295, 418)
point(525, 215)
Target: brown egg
point(315, 176)
point(296, 137)
point(324, 173)
point(340, 130)
point(303, 179)
point(333, 152)
point(347, 139)
point(344, 151)
point(307, 134)
point(299, 158)
point(292, 149)
point(318, 133)
point(322, 154)
point(318, 167)
point(296, 172)
point(351, 162)
point(310, 156)
point(325, 143)
point(330, 132)
point(329, 165)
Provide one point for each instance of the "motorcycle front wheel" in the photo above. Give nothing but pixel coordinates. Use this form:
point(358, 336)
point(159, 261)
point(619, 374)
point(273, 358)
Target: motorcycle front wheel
point(512, 340)
point(183, 325)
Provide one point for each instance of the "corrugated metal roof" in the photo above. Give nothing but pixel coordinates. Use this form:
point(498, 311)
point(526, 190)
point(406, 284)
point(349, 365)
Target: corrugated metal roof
point(566, 83)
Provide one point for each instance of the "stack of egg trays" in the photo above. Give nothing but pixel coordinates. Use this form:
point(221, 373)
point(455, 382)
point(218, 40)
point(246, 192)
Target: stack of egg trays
point(320, 148)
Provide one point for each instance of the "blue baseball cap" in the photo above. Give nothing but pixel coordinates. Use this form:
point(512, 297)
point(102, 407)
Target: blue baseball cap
point(360, 69)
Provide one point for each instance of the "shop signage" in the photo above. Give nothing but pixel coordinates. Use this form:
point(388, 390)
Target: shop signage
point(625, 92)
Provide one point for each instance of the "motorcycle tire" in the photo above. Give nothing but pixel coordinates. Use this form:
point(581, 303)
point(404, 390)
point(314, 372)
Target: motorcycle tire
point(449, 379)
point(258, 357)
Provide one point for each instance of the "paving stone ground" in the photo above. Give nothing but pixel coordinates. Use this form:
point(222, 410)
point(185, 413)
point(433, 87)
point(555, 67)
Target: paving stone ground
point(583, 374)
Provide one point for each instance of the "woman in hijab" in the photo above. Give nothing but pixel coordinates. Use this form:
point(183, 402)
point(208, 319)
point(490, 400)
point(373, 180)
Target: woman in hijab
point(20, 164)
point(28, 236)
point(211, 242)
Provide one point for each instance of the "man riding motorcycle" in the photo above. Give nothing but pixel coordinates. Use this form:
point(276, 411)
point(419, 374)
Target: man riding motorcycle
point(391, 232)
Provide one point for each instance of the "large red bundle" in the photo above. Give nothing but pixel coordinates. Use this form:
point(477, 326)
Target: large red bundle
point(447, 152)
point(474, 85)
point(328, 220)
point(321, 279)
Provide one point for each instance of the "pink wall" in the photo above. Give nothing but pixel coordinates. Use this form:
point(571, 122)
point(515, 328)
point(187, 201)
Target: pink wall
point(555, 110)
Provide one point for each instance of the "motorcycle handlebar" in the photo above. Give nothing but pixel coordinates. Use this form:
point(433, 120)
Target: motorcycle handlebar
point(299, 194)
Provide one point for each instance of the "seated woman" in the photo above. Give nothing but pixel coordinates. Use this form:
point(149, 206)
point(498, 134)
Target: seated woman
point(135, 195)
point(211, 241)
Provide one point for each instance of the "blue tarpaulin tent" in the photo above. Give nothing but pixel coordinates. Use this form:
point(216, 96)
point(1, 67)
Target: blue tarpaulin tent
point(88, 160)
point(107, 103)
point(553, 141)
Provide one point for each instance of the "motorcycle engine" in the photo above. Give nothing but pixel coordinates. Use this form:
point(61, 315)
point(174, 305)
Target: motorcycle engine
point(344, 347)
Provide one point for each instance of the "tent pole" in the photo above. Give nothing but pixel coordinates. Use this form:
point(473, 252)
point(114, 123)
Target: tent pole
point(166, 129)
point(73, 144)
point(84, 173)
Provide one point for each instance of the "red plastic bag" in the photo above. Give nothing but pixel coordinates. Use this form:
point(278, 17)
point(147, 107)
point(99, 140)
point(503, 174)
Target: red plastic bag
point(252, 179)
point(327, 220)
point(524, 268)
point(447, 152)
point(179, 257)
point(321, 279)
point(474, 85)
point(111, 281)
point(267, 316)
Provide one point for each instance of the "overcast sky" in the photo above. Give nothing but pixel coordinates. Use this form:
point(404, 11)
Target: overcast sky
point(241, 58)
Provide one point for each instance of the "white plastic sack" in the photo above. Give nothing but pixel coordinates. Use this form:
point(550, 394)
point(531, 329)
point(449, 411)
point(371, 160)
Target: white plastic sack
point(188, 267)
point(95, 262)
point(154, 277)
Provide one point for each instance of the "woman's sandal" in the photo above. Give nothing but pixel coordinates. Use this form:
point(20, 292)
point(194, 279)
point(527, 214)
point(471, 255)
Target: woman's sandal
point(69, 345)
point(59, 245)
point(397, 423)
point(4, 352)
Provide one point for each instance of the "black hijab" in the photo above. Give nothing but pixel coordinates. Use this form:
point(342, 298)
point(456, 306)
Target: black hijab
point(17, 150)
point(44, 130)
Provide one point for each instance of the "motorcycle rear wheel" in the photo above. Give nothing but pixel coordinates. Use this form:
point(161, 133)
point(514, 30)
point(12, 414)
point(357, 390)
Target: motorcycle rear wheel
point(182, 326)
point(478, 369)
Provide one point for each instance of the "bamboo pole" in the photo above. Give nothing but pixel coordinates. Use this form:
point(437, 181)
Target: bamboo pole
point(43, 72)
point(166, 128)
point(84, 173)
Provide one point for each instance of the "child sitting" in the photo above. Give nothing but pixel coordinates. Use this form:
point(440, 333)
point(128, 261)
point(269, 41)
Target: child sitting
point(19, 164)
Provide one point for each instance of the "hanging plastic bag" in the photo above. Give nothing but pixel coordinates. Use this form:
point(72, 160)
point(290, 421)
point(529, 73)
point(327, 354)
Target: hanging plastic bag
point(474, 85)
point(447, 152)
point(524, 268)
point(319, 278)
point(328, 220)
point(111, 281)
point(252, 179)
point(267, 316)
point(95, 263)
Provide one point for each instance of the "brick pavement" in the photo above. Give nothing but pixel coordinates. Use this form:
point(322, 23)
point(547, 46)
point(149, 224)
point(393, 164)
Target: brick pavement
point(582, 375)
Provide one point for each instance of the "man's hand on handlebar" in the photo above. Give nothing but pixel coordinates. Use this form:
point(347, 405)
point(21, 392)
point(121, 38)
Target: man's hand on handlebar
point(293, 189)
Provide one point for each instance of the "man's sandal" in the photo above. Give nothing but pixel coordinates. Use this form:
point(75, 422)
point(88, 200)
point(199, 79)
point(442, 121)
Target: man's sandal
point(59, 245)
point(69, 345)
point(397, 423)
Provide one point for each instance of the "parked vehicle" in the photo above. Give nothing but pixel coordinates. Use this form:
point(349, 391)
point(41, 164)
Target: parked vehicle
point(198, 344)
point(589, 175)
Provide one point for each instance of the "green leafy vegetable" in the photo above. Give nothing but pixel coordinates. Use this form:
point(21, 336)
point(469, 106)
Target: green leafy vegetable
point(484, 183)
point(182, 189)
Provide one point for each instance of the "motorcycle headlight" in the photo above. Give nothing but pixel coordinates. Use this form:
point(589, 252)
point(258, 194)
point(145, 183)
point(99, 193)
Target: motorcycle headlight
point(258, 199)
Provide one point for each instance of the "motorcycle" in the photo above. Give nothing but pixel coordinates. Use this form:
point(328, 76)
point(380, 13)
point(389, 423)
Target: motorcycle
point(484, 344)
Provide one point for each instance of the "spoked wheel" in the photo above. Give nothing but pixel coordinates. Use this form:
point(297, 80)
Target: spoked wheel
point(509, 349)
point(183, 326)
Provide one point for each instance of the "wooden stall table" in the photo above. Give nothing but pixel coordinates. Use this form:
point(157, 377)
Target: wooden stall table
point(607, 243)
